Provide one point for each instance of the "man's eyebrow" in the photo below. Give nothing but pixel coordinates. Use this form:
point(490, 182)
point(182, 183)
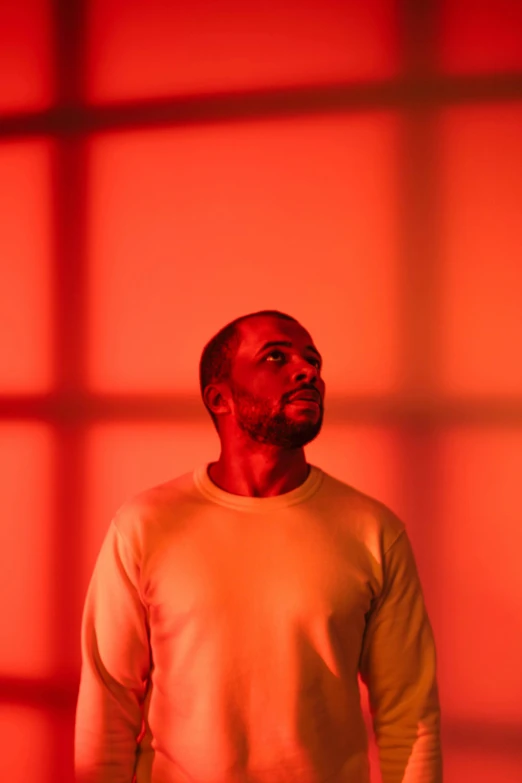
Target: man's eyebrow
point(286, 344)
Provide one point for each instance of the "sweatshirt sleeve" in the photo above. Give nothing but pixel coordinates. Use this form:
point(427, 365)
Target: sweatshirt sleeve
point(398, 666)
point(115, 668)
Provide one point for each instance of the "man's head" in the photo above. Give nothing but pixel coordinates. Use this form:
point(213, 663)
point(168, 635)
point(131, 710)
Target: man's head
point(246, 384)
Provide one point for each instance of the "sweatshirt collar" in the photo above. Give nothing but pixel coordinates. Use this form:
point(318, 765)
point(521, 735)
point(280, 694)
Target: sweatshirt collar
point(215, 494)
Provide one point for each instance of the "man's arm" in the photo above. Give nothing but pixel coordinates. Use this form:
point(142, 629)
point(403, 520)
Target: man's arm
point(115, 668)
point(398, 665)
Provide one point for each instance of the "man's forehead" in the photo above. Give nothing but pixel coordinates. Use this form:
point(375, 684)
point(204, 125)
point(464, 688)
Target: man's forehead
point(254, 333)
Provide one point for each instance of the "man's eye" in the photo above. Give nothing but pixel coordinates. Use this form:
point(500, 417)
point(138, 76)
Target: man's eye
point(317, 362)
point(273, 352)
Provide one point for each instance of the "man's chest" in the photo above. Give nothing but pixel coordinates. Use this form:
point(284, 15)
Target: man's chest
point(252, 580)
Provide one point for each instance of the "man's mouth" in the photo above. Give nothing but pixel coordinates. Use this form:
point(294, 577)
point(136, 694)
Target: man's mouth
point(304, 396)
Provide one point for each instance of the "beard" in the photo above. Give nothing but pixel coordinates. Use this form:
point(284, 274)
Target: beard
point(274, 427)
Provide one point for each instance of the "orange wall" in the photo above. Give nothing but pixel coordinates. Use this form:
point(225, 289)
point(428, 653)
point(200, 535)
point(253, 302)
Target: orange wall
point(139, 214)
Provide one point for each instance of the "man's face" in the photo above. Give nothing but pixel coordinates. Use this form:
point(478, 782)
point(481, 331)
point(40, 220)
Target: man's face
point(265, 377)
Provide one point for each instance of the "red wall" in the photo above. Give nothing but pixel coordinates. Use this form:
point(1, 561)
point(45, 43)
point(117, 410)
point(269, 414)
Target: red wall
point(167, 167)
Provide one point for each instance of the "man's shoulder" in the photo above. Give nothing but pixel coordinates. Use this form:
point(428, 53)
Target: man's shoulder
point(376, 521)
point(150, 507)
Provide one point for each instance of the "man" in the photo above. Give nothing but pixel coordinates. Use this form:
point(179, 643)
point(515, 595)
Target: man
point(232, 608)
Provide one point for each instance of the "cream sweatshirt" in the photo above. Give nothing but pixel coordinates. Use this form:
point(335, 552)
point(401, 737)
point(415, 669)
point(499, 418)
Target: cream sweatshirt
point(223, 635)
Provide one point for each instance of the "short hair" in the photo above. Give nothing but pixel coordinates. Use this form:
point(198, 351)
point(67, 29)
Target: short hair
point(218, 354)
